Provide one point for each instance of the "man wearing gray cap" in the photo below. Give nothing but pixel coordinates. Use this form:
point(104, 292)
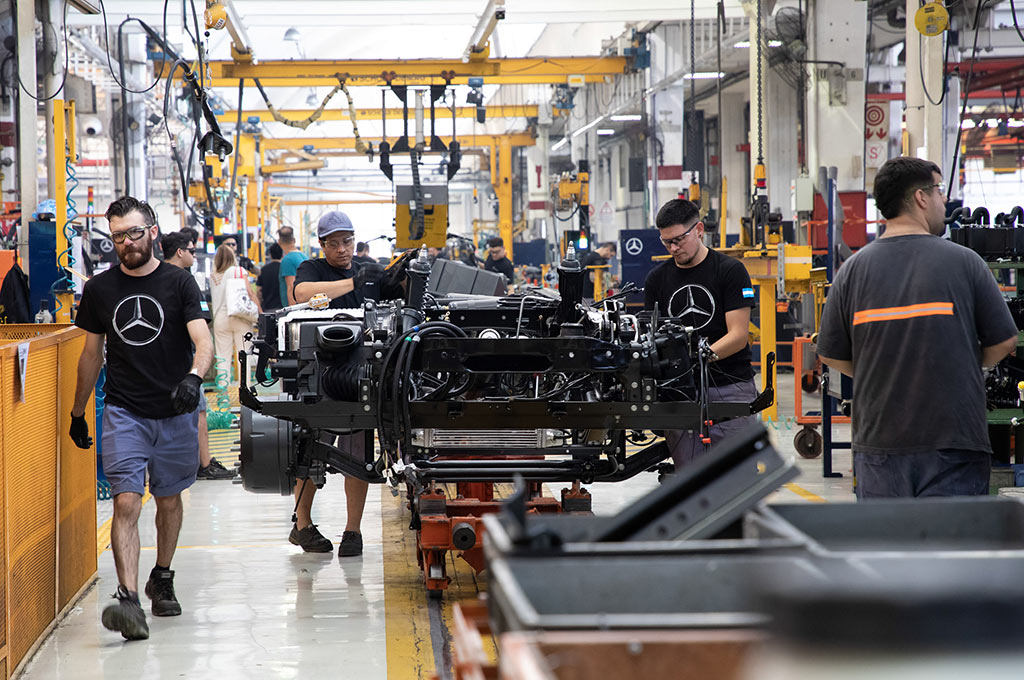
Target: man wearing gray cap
point(336, 275)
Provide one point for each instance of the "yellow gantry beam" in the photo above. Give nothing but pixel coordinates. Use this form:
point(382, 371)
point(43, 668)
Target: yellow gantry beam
point(465, 141)
point(440, 114)
point(377, 72)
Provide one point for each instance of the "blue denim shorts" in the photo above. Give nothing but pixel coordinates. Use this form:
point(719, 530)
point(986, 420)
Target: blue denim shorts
point(167, 447)
point(202, 402)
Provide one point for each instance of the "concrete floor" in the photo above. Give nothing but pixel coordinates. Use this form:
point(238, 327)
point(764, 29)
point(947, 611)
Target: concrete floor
point(256, 607)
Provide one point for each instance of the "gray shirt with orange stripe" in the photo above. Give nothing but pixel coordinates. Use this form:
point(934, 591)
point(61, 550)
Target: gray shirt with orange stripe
point(912, 313)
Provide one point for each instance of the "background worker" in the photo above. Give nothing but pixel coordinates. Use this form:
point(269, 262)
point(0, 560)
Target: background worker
point(150, 315)
point(712, 293)
point(291, 258)
point(267, 283)
point(228, 331)
point(914, 318)
point(362, 255)
point(180, 251)
point(497, 261)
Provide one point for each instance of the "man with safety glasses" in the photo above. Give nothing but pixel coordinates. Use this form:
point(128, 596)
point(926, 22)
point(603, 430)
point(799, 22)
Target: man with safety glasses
point(150, 315)
point(347, 284)
point(711, 293)
point(914, 319)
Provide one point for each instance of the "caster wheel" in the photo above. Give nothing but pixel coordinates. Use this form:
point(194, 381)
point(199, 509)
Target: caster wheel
point(808, 443)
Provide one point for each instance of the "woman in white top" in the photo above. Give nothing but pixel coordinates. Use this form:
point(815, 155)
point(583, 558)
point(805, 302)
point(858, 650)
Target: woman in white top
point(228, 331)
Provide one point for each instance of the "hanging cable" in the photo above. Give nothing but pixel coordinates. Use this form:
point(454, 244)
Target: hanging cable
point(230, 209)
point(308, 120)
point(966, 95)
point(691, 128)
point(760, 94)
point(64, 282)
point(1016, 26)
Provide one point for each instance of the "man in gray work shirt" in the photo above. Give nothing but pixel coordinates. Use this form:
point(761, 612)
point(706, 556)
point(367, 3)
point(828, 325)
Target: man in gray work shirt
point(913, 318)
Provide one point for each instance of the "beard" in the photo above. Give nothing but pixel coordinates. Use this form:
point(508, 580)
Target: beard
point(137, 253)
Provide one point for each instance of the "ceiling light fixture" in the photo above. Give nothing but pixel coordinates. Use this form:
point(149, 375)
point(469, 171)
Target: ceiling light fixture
point(704, 75)
point(586, 127)
point(745, 44)
point(559, 144)
point(605, 131)
point(625, 117)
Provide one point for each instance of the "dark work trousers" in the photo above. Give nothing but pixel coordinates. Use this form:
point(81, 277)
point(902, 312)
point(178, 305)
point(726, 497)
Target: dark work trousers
point(686, 445)
point(945, 472)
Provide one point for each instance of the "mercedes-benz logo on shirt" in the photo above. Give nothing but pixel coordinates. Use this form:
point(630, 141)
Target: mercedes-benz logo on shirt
point(634, 246)
point(138, 320)
point(694, 304)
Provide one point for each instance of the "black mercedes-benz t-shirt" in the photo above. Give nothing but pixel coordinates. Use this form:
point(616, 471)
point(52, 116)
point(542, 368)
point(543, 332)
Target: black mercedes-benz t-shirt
point(319, 269)
point(701, 296)
point(502, 266)
point(912, 313)
point(144, 319)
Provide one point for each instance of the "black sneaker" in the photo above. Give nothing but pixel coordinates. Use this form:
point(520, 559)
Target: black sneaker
point(126, 616)
point(214, 471)
point(351, 544)
point(310, 539)
point(160, 589)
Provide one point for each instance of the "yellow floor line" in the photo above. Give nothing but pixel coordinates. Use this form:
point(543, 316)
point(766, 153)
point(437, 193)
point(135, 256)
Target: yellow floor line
point(103, 532)
point(406, 619)
point(805, 494)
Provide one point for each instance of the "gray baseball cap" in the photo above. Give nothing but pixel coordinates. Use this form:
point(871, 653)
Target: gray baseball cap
point(332, 222)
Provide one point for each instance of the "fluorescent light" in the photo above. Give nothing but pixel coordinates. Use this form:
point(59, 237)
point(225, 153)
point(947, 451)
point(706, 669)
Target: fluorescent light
point(745, 44)
point(968, 124)
point(1015, 123)
point(623, 117)
point(586, 127)
point(559, 144)
point(704, 75)
point(992, 122)
point(605, 131)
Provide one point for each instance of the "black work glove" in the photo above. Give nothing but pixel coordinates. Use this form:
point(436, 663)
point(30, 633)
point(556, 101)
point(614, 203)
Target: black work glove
point(368, 274)
point(395, 274)
point(185, 395)
point(80, 432)
point(377, 283)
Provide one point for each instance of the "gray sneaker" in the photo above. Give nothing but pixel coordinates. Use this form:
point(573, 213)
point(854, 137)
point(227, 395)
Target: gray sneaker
point(126, 616)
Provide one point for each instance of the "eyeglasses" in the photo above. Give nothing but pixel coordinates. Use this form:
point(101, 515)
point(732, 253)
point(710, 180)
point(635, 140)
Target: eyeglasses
point(135, 233)
point(191, 250)
point(338, 244)
point(941, 186)
point(678, 240)
point(230, 244)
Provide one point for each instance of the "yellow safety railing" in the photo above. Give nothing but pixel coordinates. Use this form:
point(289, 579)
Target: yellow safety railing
point(47, 486)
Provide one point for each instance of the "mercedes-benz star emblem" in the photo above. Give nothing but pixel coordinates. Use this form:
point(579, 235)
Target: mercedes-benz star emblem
point(634, 246)
point(694, 304)
point(138, 320)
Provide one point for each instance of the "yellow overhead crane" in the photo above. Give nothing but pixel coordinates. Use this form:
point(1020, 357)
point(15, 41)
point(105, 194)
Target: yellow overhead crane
point(265, 116)
point(384, 72)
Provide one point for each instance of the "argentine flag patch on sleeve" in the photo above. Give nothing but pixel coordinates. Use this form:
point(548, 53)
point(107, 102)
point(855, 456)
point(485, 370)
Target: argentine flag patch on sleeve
point(748, 292)
point(205, 307)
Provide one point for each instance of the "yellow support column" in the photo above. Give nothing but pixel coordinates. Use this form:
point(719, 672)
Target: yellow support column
point(505, 193)
point(768, 337)
point(65, 300)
